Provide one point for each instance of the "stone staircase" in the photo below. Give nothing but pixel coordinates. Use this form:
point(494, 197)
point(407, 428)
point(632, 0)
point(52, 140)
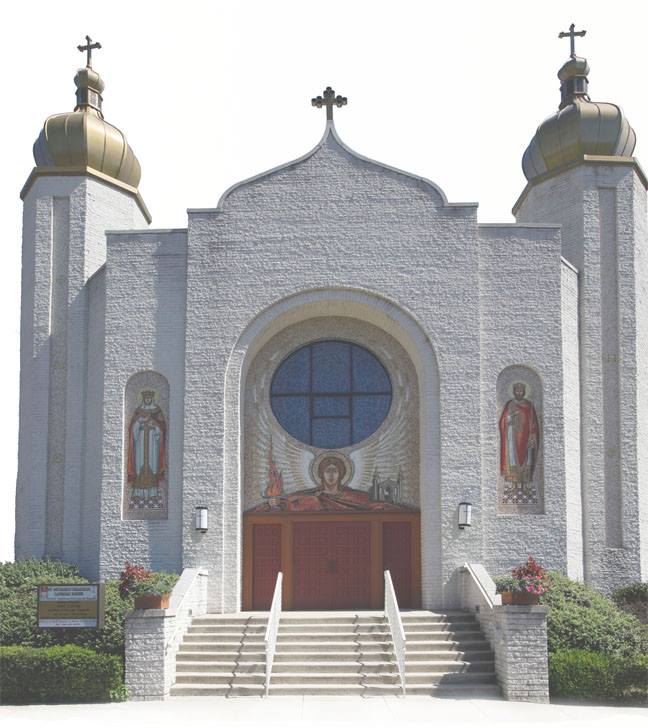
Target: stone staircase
point(335, 653)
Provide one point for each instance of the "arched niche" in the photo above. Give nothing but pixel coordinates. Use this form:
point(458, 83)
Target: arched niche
point(146, 447)
point(300, 307)
point(520, 475)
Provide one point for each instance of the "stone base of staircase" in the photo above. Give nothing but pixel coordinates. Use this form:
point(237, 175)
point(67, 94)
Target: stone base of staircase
point(335, 653)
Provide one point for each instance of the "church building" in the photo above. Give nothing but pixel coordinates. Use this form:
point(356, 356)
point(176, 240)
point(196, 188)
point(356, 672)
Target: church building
point(336, 371)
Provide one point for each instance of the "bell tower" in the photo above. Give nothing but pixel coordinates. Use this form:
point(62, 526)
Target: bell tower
point(85, 181)
point(582, 175)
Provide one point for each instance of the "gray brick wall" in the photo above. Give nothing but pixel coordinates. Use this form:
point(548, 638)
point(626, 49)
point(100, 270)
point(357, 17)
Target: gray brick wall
point(602, 211)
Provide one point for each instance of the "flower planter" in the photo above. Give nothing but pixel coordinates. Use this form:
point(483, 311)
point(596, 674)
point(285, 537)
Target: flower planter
point(519, 598)
point(152, 601)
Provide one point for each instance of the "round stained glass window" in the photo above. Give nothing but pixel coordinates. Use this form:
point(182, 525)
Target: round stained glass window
point(331, 394)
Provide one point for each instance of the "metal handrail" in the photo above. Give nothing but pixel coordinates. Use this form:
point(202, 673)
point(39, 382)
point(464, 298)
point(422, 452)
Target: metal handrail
point(272, 629)
point(396, 627)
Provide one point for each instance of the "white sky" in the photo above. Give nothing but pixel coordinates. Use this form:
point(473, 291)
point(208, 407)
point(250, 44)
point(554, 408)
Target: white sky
point(209, 93)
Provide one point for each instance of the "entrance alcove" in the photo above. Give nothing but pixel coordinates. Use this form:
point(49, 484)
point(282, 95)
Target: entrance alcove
point(391, 475)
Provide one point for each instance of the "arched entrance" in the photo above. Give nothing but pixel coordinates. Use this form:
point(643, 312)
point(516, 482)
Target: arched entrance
point(331, 561)
point(333, 548)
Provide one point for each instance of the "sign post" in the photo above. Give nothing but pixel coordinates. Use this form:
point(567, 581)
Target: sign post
point(71, 605)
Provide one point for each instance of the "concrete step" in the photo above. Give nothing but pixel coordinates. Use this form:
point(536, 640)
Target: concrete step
point(230, 648)
point(413, 627)
point(287, 678)
point(449, 666)
point(194, 655)
point(483, 691)
point(188, 689)
point(335, 654)
point(362, 690)
point(238, 668)
point(427, 638)
point(324, 679)
point(293, 689)
point(443, 628)
point(329, 620)
point(377, 636)
point(234, 648)
point(453, 654)
point(220, 678)
point(206, 636)
point(227, 628)
point(332, 628)
point(437, 678)
point(324, 669)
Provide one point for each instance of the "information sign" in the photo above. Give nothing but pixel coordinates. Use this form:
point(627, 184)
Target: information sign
point(71, 605)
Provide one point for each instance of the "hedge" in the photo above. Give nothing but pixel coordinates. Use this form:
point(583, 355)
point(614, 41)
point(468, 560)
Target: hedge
point(18, 620)
point(582, 618)
point(633, 599)
point(67, 674)
point(597, 676)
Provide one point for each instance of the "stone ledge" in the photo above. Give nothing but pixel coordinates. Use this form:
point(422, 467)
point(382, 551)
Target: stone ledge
point(538, 609)
point(151, 614)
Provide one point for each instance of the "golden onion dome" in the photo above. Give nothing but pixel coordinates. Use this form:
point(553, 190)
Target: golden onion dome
point(83, 138)
point(580, 127)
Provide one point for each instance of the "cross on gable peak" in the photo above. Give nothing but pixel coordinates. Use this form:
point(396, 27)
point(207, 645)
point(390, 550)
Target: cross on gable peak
point(329, 99)
point(88, 48)
point(572, 38)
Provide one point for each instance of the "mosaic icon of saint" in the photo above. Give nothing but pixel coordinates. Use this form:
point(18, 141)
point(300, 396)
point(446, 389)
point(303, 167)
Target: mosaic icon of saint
point(331, 494)
point(147, 453)
point(519, 437)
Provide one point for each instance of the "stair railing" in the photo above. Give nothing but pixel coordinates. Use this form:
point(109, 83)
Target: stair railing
point(272, 630)
point(396, 627)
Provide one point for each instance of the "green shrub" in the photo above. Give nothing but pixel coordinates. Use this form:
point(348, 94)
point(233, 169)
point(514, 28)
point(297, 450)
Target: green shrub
point(596, 676)
point(636, 592)
point(582, 618)
point(18, 620)
point(632, 678)
point(67, 674)
point(633, 599)
point(581, 674)
point(14, 575)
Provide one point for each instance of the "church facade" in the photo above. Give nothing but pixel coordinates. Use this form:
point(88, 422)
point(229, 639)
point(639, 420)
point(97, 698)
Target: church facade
point(332, 361)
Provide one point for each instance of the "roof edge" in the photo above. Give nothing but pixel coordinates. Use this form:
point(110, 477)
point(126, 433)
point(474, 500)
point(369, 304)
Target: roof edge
point(84, 171)
point(583, 159)
point(331, 131)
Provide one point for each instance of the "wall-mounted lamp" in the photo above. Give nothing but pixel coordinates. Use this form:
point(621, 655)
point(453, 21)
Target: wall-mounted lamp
point(201, 518)
point(465, 514)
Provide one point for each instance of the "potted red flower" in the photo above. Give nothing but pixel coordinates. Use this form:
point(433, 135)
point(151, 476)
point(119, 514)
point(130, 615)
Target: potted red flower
point(151, 590)
point(526, 584)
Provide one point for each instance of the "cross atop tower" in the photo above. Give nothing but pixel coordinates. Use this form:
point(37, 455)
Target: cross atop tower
point(88, 48)
point(572, 35)
point(329, 99)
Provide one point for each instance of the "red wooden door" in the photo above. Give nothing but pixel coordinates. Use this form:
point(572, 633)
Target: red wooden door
point(266, 563)
point(397, 558)
point(331, 565)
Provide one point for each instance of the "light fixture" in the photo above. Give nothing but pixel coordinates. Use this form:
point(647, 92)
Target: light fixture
point(465, 514)
point(201, 519)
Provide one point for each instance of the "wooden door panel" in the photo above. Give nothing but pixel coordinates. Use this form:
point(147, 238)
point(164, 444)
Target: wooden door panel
point(352, 555)
point(266, 563)
point(312, 566)
point(330, 562)
point(397, 550)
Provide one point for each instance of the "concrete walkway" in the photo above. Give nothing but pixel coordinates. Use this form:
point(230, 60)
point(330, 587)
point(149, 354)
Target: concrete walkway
point(291, 712)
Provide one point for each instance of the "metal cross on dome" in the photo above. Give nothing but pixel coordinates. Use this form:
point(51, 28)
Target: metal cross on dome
point(572, 35)
point(329, 99)
point(88, 48)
